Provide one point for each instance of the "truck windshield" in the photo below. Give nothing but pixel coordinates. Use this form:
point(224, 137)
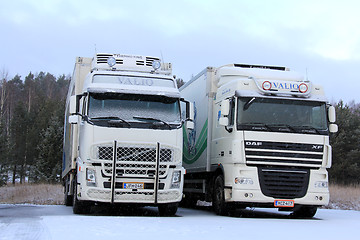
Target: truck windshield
point(130, 108)
point(281, 115)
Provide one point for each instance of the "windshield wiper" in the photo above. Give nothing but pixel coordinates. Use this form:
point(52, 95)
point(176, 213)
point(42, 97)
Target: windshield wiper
point(152, 119)
point(308, 129)
point(282, 125)
point(256, 125)
point(248, 103)
point(111, 119)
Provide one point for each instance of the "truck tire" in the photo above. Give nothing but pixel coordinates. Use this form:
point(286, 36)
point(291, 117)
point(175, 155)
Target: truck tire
point(219, 205)
point(68, 200)
point(80, 207)
point(304, 212)
point(168, 209)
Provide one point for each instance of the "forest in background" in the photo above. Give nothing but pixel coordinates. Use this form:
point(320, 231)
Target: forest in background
point(31, 127)
point(31, 131)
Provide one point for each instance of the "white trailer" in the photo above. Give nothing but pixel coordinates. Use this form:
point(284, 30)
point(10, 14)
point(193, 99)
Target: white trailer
point(261, 139)
point(123, 134)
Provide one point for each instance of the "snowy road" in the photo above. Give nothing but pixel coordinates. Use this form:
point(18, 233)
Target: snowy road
point(58, 222)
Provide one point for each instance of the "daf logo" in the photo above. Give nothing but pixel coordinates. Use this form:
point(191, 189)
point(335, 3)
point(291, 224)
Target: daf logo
point(253, 143)
point(317, 147)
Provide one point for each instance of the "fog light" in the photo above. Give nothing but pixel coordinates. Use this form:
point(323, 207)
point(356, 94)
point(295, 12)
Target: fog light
point(321, 184)
point(176, 179)
point(320, 198)
point(248, 195)
point(243, 181)
point(90, 177)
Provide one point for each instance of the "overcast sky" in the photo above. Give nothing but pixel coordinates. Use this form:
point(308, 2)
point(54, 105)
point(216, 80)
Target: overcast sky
point(320, 39)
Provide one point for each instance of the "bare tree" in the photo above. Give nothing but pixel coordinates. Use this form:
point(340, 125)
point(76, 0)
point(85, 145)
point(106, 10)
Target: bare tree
point(3, 81)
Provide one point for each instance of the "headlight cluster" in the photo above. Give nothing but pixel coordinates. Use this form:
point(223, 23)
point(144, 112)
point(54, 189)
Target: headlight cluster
point(176, 179)
point(90, 177)
point(243, 180)
point(321, 184)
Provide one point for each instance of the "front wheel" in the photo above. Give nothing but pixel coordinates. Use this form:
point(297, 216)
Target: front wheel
point(79, 207)
point(219, 205)
point(304, 212)
point(168, 209)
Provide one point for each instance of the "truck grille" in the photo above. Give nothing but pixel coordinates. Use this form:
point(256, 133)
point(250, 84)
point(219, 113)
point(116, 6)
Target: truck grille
point(285, 183)
point(283, 168)
point(135, 160)
point(261, 153)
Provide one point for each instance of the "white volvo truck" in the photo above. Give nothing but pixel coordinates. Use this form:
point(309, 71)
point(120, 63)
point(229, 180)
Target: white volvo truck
point(261, 139)
point(123, 134)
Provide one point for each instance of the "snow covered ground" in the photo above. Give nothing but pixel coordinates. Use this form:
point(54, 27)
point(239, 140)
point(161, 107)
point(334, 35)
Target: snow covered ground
point(58, 222)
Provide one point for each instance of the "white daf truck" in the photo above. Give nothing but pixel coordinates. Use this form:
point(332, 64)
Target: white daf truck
point(261, 139)
point(123, 134)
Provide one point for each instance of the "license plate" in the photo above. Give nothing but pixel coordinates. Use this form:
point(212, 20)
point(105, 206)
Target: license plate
point(133, 185)
point(284, 203)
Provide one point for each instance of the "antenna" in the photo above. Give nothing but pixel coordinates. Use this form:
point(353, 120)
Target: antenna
point(162, 58)
point(306, 74)
point(95, 49)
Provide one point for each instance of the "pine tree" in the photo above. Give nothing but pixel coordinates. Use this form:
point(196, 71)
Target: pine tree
point(3, 155)
point(27, 110)
point(18, 141)
point(48, 163)
point(346, 145)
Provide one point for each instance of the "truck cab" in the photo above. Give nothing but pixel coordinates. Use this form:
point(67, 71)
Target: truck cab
point(266, 140)
point(123, 134)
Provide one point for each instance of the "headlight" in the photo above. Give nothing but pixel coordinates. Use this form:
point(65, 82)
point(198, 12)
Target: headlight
point(176, 179)
point(321, 184)
point(90, 177)
point(243, 181)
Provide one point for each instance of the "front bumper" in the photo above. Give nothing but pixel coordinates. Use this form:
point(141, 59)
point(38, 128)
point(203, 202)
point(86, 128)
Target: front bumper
point(129, 196)
point(256, 196)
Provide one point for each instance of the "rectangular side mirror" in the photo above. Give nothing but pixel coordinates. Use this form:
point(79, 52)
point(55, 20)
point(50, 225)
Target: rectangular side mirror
point(225, 107)
point(333, 128)
point(72, 104)
point(224, 112)
point(190, 125)
point(191, 111)
point(73, 119)
point(331, 114)
point(224, 121)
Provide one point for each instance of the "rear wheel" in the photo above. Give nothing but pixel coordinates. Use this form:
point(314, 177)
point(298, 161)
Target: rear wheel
point(168, 209)
point(68, 200)
point(219, 204)
point(304, 212)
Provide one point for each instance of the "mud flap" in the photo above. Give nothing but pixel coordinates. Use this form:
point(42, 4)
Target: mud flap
point(228, 193)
